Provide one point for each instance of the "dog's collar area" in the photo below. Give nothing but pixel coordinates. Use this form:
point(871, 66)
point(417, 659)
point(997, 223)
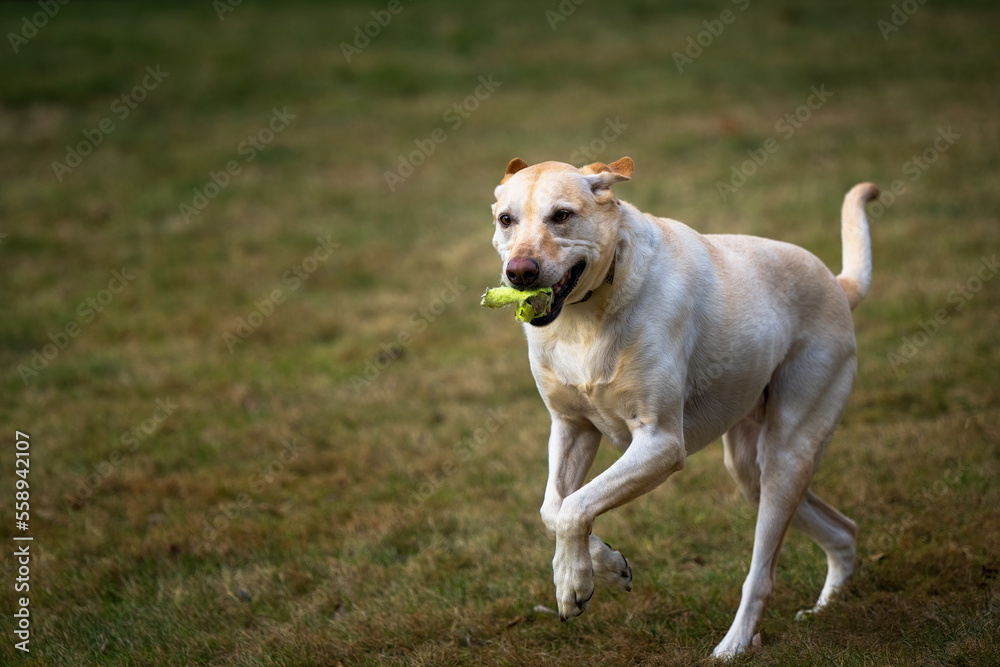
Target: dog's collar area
point(608, 279)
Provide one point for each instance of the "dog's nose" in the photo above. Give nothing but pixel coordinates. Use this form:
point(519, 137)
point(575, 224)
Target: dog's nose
point(522, 271)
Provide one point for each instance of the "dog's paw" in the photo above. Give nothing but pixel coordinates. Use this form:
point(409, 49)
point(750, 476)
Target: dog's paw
point(829, 594)
point(730, 648)
point(573, 575)
point(805, 614)
point(573, 601)
point(610, 566)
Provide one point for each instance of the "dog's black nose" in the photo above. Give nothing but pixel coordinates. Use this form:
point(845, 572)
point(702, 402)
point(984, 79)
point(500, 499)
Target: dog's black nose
point(522, 271)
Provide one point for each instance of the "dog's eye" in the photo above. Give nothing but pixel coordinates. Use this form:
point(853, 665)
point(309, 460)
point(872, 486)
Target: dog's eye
point(561, 215)
point(504, 220)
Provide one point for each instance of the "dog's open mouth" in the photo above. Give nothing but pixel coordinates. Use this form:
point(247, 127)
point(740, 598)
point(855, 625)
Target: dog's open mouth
point(560, 291)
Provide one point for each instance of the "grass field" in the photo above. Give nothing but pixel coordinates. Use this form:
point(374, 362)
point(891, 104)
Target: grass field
point(269, 422)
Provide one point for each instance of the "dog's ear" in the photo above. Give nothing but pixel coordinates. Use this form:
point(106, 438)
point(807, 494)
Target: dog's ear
point(514, 166)
point(623, 167)
point(603, 176)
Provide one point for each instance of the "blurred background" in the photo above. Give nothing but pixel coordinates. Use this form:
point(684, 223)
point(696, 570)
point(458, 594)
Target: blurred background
point(242, 248)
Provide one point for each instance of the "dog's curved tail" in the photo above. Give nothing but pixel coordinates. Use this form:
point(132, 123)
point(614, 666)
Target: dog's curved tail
point(856, 276)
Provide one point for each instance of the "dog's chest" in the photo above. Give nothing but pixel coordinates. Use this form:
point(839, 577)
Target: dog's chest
point(578, 381)
point(603, 409)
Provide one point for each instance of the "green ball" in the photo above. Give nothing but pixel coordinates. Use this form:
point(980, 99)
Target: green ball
point(530, 303)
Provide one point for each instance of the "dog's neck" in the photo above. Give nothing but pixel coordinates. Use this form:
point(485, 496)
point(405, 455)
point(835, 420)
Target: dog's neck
point(582, 345)
point(638, 237)
point(608, 280)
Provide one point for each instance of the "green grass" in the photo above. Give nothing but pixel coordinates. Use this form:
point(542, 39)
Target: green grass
point(396, 528)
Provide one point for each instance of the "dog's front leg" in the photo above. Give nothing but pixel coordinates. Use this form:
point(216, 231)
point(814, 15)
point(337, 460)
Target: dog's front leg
point(572, 448)
point(654, 454)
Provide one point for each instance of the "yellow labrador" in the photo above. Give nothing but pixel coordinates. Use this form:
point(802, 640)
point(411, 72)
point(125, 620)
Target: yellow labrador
point(662, 339)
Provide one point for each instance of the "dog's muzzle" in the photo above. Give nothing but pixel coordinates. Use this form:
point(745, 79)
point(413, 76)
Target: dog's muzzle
point(560, 291)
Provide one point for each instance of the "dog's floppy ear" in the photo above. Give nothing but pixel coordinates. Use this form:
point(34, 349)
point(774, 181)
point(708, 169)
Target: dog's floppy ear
point(514, 166)
point(603, 176)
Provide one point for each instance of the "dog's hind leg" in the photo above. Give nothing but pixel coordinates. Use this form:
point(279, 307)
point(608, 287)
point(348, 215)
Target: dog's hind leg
point(832, 531)
point(742, 443)
point(801, 413)
point(836, 534)
point(778, 502)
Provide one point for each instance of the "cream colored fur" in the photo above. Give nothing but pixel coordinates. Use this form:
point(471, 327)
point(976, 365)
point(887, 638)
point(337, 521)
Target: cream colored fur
point(696, 337)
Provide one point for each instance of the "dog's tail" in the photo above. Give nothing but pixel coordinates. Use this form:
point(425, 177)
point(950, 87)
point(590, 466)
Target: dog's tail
point(856, 276)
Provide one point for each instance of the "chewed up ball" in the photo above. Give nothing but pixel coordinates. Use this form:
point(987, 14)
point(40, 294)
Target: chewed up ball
point(530, 302)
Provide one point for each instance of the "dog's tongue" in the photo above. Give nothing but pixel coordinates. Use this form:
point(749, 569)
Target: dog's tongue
point(530, 303)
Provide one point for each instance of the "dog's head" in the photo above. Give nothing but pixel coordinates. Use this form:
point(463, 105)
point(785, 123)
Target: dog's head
point(557, 226)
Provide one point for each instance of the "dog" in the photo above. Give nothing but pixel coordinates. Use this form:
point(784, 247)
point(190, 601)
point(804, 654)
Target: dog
point(662, 340)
